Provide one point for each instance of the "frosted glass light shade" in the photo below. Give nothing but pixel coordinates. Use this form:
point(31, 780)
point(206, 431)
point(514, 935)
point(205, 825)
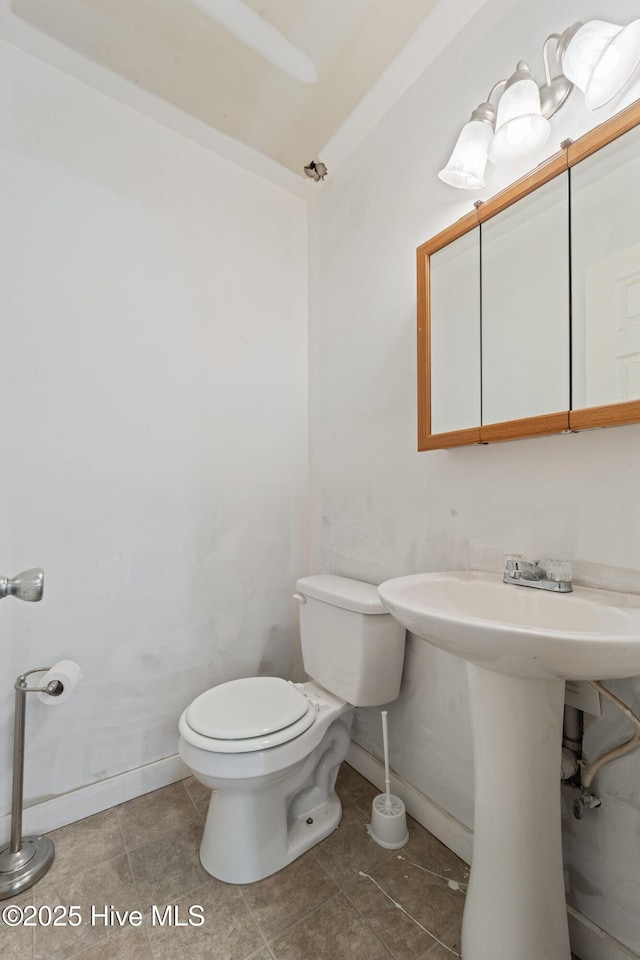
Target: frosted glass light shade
point(520, 127)
point(467, 163)
point(600, 58)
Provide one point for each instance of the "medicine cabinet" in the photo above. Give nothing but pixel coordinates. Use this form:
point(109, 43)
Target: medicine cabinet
point(529, 307)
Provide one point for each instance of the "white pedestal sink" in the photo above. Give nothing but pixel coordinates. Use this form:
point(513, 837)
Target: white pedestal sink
point(520, 645)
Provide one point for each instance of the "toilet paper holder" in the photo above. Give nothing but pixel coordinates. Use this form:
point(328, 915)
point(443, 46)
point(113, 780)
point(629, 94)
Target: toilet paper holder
point(54, 688)
point(26, 859)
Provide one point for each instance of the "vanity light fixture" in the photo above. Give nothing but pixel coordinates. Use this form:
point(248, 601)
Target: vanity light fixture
point(555, 91)
point(467, 163)
point(597, 57)
point(520, 127)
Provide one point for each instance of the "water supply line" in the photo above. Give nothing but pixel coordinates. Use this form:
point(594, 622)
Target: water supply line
point(591, 769)
point(587, 799)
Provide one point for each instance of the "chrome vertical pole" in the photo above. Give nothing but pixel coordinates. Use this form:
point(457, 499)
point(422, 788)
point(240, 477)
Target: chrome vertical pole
point(18, 766)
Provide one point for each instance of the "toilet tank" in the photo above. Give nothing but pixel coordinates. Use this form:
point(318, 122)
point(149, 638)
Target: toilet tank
point(351, 645)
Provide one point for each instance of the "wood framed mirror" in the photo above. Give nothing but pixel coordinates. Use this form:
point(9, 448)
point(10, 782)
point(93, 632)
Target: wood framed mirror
point(529, 306)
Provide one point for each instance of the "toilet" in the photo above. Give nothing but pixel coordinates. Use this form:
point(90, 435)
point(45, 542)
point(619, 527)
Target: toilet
point(269, 750)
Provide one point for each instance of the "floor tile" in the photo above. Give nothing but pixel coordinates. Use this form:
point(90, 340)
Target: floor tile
point(424, 849)
point(394, 928)
point(335, 931)
point(131, 944)
point(349, 848)
point(108, 884)
point(228, 933)
point(151, 816)
point(17, 943)
point(450, 939)
point(428, 899)
point(166, 869)
point(283, 899)
point(86, 843)
point(199, 794)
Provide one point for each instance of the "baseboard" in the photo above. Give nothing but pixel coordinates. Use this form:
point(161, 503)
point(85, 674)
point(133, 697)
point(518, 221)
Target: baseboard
point(588, 941)
point(591, 942)
point(78, 804)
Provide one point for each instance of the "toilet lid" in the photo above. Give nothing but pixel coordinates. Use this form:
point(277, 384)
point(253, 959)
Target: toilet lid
point(248, 708)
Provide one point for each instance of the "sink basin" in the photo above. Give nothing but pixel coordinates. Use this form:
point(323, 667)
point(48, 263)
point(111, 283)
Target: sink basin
point(584, 635)
point(520, 645)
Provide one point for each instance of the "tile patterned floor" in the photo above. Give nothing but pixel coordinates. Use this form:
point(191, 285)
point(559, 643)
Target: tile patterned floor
point(145, 852)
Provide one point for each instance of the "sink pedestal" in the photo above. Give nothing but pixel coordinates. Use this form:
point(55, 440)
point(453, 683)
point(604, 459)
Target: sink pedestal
point(515, 905)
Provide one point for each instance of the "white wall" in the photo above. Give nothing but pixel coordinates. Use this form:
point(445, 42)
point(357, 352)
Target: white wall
point(380, 509)
point(154, 409)
point(153, 384)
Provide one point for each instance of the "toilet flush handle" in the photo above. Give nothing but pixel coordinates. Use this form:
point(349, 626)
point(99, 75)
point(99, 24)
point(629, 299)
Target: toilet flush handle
point(300, 597)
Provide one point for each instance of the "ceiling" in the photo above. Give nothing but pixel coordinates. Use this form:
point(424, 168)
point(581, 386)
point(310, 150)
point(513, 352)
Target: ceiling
point(173, 50)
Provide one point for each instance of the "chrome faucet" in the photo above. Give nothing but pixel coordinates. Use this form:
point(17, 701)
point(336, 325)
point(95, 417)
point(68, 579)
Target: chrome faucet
point(552, 575)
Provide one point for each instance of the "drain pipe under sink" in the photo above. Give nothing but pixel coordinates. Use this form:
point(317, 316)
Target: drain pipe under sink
point(571, 742)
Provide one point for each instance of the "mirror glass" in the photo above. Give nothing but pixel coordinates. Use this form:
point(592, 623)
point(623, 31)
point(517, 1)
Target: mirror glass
point(454, 287)
point(525, 306)
point(605, 239)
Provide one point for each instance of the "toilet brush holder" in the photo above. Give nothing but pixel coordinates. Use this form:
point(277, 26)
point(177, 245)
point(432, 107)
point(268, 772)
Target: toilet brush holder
point(25, 859)
point(388, 825)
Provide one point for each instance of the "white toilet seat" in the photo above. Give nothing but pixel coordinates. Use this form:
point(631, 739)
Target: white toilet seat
point(247, 715)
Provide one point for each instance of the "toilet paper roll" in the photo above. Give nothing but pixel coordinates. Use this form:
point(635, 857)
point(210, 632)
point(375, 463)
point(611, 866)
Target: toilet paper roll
point(68, 673)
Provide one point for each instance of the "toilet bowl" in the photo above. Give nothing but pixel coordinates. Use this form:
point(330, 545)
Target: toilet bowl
point(272, 794)
point(270, 750)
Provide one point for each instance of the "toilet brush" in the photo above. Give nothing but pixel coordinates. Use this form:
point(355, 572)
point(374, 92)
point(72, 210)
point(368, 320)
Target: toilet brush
point(388, 825)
